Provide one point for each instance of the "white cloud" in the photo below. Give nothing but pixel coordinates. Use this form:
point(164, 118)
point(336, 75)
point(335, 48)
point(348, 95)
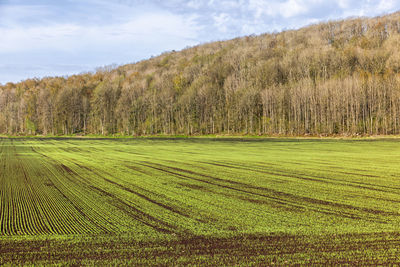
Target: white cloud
point(292, 8)
point(285, 9)
point(343, 3)
point(221, 22)
point(15, 14)
point(195, 4)
point(148, 28)
point(386, 5)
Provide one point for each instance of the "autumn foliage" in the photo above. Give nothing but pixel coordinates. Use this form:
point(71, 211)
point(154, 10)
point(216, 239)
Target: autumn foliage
point(340, 77)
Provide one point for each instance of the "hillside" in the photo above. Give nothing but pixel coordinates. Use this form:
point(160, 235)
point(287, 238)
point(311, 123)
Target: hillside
point(340, 77)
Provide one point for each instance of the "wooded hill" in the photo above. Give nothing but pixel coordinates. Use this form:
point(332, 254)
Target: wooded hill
point(340, 77)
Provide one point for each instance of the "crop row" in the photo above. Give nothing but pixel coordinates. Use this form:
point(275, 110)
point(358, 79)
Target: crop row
point(187, 188)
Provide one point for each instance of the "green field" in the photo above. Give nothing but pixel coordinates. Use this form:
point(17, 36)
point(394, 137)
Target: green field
point(199, 201)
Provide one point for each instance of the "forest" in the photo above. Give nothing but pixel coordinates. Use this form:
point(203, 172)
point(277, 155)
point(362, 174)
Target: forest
point(333, 78)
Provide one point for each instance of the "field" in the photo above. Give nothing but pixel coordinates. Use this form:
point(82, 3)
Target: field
point(222, 201)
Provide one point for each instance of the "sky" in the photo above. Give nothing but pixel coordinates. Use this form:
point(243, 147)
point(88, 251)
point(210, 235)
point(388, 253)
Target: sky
point(41, 38)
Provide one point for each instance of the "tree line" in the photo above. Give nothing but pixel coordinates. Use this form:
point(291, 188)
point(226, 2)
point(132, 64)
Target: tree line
point(339, 77)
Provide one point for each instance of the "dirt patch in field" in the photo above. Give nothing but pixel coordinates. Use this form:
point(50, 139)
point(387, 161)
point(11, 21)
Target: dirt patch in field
point(67, 169)
point(195, 187)
point(137, 169)
point(83, 167)
point(244, 250)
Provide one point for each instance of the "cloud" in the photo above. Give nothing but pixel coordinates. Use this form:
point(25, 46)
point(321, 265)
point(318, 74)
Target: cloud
point(284, 9)
point(146, 27)
point(221, 21)
point(292, 8)
point(387, 5)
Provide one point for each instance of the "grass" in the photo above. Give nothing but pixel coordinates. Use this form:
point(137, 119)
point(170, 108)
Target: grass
point(214, 201)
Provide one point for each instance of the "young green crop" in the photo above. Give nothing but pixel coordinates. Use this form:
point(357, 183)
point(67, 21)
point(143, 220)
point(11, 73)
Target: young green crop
point(161, 194)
